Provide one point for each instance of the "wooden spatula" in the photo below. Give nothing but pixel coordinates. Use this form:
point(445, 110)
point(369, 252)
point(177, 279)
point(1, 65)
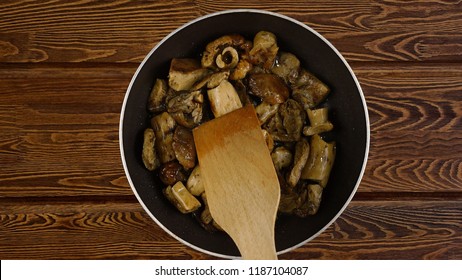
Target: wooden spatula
point(240, 180)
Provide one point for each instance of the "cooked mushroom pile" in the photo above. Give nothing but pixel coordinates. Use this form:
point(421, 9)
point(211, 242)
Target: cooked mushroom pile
point(230, 73)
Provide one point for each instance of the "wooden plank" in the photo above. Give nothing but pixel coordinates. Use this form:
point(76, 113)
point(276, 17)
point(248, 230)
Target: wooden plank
point(366, 230)
point(62, 138)
point(412, 97)
point(121, 31)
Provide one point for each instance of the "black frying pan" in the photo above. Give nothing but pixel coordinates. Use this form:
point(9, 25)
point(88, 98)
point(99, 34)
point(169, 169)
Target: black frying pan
point(348, 113)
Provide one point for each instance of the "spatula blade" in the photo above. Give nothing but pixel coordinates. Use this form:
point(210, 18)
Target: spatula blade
point(240, 180)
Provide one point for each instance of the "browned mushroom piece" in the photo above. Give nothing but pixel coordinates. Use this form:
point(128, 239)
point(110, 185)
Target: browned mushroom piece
point(179, 196)
point(172, 172)
point(223, 99)
point(311, 200)
point(264, 49)
point(287, 124)
point(183, 146)
point(308, 90)
point(156, 102)
point(243, 67)
point(212, 80)
point(320, 161)
point(186, 108)
point(164, 126)
point(302, 151)
point(281, 157)
point(149, 154)
point(266, 111)
point(216, 47)
point(184, 73)
point(269, 87)
point(319, 122)
point(195, 184)
point(293, 118)
point(287, 67)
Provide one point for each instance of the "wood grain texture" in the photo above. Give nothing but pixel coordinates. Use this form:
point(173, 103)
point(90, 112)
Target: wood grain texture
point(64, 70)
point(121, 31)
point(366, 230)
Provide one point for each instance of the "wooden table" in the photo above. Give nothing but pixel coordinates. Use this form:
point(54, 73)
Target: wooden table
point(64, 70)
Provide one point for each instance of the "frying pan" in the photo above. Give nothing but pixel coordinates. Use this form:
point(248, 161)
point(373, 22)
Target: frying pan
point(346, 102)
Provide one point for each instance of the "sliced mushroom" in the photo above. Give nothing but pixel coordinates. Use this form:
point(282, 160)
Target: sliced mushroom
point(156, 102)
point(172, 172)
point(228, 58)
point(163, 126)
point(319, 122)
point(309, 90)
point(212, 80)
point(264, 49)
point(293, 118)
point(179, 196)
point(149, 155)
point(183, 146)
point(214, 48)
point(186, 108)
point(320, 161)
point(281, 157)
point(302, 152)
point(269, 87)
point(287, 124)
point(195, 185)
point(184, 73)
point(312, 200)
point(206, 217)
point(223, 99)
point(265, 111)
point(240, 72)
point(287, 67)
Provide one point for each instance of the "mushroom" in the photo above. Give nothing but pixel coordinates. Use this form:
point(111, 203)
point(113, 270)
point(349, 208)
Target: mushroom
point(194, 184)
point(308, 90)
point(269, 87)
point(179, 196)
point(312, 195)
point(163, 126)
point(281, 157)
point(265, 111)
point(286, 125)
point(186, 108)
point(228, 58)
point(223, 99)
point(156, 102)
point(287, 67)
point(214, 48)
point(293, 118)
point(212, 80)
point(183, 146)
point(149, 155)
point(319, 122)
point(171, 172)
point(240, 72)
point(264, 49)
point(184, 73)
point(320, 161)
point(302, 151)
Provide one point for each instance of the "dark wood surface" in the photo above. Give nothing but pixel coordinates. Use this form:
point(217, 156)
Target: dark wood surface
point(64, 70)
